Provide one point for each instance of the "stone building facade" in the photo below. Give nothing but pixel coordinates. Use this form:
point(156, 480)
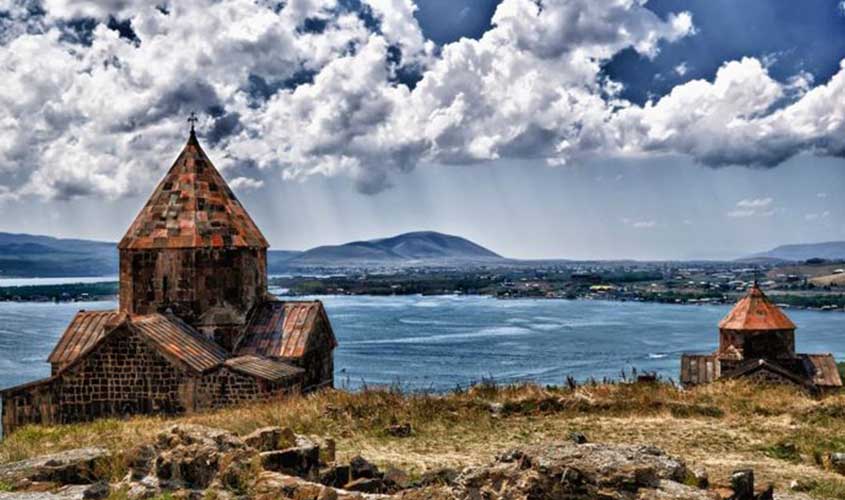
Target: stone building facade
point(757, 342)
point(195, 329)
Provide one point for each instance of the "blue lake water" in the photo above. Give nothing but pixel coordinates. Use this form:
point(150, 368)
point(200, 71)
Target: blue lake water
point(440, 342)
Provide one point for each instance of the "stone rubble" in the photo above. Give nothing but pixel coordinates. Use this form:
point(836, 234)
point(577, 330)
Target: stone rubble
point(196, 462)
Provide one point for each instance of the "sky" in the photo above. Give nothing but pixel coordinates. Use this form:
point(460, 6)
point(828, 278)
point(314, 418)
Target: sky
point(578, 129)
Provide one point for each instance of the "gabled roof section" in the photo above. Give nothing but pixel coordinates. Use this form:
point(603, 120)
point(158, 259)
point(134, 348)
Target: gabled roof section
point(279, 329)
point(193, 207)
point(176, 339)
point(267, 369)
point(823, 369)
point(754, 365)
point(755, 312)
point(86, 328)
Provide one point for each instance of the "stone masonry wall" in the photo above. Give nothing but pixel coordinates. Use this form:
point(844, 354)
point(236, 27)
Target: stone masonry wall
point(202, 286)
point(226, 387)
point(123, 376)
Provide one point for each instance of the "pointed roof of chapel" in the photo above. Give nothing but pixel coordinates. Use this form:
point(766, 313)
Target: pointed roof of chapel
point(756, 312)
point(193, 207)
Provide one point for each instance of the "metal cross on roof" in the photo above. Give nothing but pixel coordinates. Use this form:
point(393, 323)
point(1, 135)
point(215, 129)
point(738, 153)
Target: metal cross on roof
point(192, 119)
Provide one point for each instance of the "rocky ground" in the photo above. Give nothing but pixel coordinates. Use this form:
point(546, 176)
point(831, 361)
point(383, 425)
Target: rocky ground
point(198, 462)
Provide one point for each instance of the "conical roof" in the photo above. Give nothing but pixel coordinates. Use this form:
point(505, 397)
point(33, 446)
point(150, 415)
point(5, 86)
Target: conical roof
point(756, 312)
point(193, 207)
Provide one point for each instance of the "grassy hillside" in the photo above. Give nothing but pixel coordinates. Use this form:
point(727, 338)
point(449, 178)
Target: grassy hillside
point(782, 434)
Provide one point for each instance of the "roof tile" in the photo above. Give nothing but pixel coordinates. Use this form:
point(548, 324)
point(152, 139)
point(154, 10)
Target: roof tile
point(756, 312)
point(177, 214)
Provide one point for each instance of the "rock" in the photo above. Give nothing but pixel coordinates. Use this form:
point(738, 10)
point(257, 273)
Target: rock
point(399, 430)
point(97, 491)
point(72, 492)
point(802, 484)
point(361, 468)
point(365, 485)
point(335, 476)
point(270, 439)
point(671, 490)
point(140, 461)
point(577, 437)
point(327, 447)
point(272, 486)
point(569, 470)
point(438, 477)
point(742, 483)
point(187, 434)
point(80, 466)
point(395, 479)
point(700, 478)
point(837, 462)
point(303, 461)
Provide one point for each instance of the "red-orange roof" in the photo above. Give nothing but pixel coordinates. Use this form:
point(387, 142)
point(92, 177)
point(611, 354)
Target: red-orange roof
point(168, 333)
point(86, 328)
point(279, 329)
point(756, 312)
point(193, 207)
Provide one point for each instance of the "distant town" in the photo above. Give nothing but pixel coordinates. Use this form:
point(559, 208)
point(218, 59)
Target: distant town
point(814, 284)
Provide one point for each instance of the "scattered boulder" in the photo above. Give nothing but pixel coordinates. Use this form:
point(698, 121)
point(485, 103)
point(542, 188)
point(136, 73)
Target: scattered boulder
point(568, 470)
point(80, 466)
point(272, 486)
point(73, 492)
point(395, 479)
point(365, 485)
point(439, 477)
point(361, 468)
point(837, 462)
point(270, 438)
point(302, 461)
point(399, 430)
point(335, 475)
point(700, 478)
point(578, 437)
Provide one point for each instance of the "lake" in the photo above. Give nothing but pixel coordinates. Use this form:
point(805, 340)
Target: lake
point(438, 343)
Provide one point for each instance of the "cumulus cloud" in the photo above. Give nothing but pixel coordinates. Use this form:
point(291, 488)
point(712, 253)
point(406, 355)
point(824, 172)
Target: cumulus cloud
point(96, 93)
point(761, 207)
point(245, 183)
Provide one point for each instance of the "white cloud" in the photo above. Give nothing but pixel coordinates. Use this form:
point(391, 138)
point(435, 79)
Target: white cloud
point(817, 216)
point(751, 207)
point(755, 203)
point(681, 69)
point(311, 88)
point(639, 224)
point(245, 183)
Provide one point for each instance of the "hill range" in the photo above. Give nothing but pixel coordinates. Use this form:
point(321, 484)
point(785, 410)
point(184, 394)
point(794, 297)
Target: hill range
point(24, 255)
point(830, 250)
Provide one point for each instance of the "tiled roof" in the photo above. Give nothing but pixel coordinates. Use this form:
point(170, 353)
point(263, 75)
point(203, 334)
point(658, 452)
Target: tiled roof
point(86, 328)
point(823, 370)
point(796, 374)
point(179, 340)
point(699, 369)
point(756, 312)
point(193, 207)
point(267, 369)
point(284, 329)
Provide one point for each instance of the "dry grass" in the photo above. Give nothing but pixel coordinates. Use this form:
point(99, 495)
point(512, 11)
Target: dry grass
point(781, 433)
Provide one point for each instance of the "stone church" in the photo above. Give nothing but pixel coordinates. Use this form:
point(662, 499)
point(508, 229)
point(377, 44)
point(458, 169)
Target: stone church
point(196, 327)
point(757, 342)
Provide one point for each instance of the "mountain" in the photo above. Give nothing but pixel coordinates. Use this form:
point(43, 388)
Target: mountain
point(26, 255)
point(831, 250)
point(426, 246)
